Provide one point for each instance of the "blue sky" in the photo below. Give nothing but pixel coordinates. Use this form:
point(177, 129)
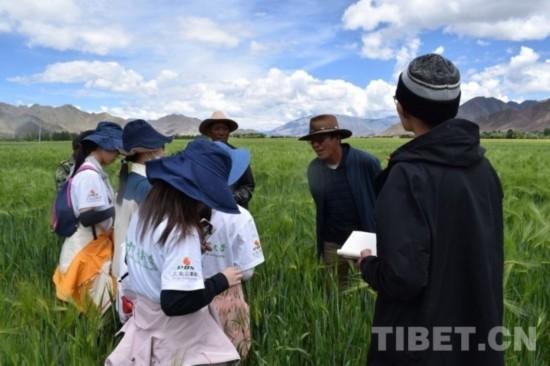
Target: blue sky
point(262, 62)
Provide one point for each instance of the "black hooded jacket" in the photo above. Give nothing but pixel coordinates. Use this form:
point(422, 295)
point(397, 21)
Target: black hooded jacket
point(440, 249)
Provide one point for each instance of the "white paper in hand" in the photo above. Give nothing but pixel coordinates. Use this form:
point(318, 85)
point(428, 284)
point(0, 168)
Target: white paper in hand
point(356, 242)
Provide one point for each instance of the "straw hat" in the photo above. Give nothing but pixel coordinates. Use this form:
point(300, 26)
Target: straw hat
point(217, 116)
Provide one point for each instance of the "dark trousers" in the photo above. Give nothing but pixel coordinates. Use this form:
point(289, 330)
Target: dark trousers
point(336, 263)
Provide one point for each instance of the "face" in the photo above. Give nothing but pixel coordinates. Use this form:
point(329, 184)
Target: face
point(156, 154)
point(325, 145)
point(106, 157)
point(219, 132)
point(405, 122)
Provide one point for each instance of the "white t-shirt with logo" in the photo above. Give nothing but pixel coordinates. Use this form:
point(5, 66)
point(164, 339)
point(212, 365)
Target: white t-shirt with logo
point(90, 189)
point(152, 267)
point(234, 242)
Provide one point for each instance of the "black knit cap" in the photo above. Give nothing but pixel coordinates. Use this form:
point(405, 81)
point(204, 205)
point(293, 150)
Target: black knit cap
point(429, 89)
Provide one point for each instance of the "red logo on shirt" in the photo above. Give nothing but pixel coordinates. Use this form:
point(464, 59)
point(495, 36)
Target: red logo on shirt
point(186, 261)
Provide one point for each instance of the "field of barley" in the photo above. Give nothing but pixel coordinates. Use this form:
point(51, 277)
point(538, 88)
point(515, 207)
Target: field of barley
point(298, 315)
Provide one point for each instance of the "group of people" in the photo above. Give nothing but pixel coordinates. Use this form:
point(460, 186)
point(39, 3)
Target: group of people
point(436, 210)
point(176, 239)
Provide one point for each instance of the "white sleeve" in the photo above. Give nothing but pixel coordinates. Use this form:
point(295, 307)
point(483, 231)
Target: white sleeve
point(182, 268)
point(90, 190)
point(247, 247)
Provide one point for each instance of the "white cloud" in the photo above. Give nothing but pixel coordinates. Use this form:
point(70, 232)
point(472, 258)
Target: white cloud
point(109, 76)
point(389, 25)
point(278, 96)
point(522, 75)
point(4, 27)
point(206, 30)
point(439, 50)
point(61, 25)
point(267, 101)
point(257, 47)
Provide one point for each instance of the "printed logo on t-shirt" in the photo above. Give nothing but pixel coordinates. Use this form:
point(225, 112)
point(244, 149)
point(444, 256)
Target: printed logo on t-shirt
point(140, 257)
point(216, 250)
point(185, 270)
point(257, 246)
point(93, 196)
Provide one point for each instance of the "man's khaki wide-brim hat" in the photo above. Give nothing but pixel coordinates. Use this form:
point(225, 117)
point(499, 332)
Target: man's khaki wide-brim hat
point(325, 123)
point(216, 118)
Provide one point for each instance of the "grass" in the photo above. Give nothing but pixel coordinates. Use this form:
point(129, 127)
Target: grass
point(299, 317)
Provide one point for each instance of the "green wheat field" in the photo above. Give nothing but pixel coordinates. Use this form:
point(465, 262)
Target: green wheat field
point(298, 315)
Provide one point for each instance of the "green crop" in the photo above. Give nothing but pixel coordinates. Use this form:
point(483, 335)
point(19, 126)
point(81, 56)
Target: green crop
point(299, 317)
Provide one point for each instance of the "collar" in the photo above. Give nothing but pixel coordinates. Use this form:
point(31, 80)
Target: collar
point(93, 161)
point(138, 169)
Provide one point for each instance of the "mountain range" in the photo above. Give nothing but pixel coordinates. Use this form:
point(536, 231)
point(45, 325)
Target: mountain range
point(359, 126)
point(491, 114)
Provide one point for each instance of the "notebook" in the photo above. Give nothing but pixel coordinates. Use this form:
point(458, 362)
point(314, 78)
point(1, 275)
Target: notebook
point(356, 242)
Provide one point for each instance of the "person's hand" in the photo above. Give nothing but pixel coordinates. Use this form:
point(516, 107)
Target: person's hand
point(364, 254)
point(233, 275)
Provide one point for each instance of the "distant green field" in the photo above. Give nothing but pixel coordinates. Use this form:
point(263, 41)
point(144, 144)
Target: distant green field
point(297, 319)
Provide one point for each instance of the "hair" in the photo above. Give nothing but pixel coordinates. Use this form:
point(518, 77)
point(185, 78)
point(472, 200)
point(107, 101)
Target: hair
point(123, 176)
point(165, 202)
point(86, 147)
point(78, 139)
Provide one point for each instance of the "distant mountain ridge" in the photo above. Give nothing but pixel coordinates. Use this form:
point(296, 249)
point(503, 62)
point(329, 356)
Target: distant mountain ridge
point(492, 114)
point(359, 126)
point(21, 121)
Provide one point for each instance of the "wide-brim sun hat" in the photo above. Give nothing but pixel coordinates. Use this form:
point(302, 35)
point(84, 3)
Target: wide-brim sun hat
point(323, 124)
point(217, 117)
point(201, 171)
point(139, 136)
point(240, 160)
point(107, 135)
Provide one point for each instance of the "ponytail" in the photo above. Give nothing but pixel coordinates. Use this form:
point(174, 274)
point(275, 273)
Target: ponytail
point(123, 177)
point(85, 148)
point(122, 181)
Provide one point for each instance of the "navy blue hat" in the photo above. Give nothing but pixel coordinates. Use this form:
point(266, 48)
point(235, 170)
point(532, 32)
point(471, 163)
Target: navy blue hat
point(140, 136)
point(107, 135)
point(240, 159)
point(201, 171)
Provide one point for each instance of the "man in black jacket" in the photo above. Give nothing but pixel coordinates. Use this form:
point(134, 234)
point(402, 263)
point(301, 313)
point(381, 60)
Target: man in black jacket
point(439, 267)
point(341, 181)
point(218, 127)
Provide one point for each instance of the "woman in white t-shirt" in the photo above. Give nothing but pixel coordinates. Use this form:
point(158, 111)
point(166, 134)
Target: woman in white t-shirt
point(83, 274)
point(234, 241)
point(141, 143)
point(172, 323)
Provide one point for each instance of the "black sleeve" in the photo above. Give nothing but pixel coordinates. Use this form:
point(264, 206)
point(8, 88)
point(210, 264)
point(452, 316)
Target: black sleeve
point(89, 218)
point(401, 269)
point(175, 302)
point(243, 189)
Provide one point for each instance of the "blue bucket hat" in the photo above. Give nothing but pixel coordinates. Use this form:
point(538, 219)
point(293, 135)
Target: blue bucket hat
point(107, 135)
point(240, 159)
point(201, 171)
point(140, 136)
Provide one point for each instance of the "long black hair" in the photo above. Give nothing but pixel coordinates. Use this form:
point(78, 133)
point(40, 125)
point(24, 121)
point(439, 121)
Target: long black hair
point(166, 202)
point(84, 150)
point(123, 177)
